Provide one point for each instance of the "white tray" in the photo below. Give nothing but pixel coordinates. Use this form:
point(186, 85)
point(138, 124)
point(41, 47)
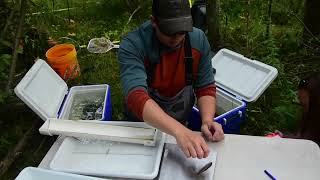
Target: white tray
point(109, 159)
point(32, 173)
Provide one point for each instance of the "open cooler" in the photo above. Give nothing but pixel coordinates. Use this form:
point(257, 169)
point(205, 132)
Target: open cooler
point(239, 80)
point(48, 95)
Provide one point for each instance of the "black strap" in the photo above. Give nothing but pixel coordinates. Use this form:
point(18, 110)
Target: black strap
point(188, 64)
point(188, 60)
point(150, 72)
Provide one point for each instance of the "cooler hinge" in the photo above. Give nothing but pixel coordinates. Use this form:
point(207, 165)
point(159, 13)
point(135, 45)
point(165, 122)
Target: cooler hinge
point(238, 97)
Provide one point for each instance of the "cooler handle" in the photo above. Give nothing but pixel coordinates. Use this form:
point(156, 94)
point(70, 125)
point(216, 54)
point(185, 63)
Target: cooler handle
point(225, 120)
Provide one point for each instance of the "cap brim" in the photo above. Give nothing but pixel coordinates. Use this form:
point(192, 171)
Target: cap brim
point(175, 25)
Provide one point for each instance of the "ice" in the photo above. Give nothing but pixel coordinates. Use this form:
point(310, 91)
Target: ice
point(87, 106)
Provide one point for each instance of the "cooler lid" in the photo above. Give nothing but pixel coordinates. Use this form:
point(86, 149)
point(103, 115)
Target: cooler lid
point(42, 90)
point(240, 76)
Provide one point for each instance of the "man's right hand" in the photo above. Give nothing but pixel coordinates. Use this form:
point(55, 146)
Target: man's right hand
point(192, 143)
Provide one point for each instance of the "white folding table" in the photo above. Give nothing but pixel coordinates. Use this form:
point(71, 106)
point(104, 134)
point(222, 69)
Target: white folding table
point(243, 157)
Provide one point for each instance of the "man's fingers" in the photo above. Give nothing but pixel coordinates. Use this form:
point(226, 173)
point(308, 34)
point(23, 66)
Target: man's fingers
point(206, 132)
point(218, 134)
point(199, 150)
point(192, 151)
point(186, 152)
point(205, 149)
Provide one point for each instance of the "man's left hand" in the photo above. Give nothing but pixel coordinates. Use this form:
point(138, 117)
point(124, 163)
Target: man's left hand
point(212, 130)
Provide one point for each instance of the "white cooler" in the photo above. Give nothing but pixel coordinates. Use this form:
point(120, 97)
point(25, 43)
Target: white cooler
point(239, 80)
point(48, 95)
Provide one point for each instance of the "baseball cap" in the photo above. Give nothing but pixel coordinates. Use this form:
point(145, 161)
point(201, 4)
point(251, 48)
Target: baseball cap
point(173, 16)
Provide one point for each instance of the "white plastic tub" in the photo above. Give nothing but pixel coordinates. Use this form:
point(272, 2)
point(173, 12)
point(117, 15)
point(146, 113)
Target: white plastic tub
point(109, 159)
point(32, 173)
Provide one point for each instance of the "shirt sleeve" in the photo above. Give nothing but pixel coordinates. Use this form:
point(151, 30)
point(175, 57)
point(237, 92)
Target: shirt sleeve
point(133, 75)
point(136, 101)
point(209, 90)
point(205, 76)
point(131, 63)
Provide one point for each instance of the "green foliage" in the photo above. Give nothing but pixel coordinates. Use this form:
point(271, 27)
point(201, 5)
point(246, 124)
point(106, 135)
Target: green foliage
point(5, 60)
point(274, 109)
point(5, 142)
point(108, 19)
point(243, 26)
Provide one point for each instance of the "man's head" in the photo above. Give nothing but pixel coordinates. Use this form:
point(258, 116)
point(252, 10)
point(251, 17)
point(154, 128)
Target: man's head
point(171, 19)
point(309, 91)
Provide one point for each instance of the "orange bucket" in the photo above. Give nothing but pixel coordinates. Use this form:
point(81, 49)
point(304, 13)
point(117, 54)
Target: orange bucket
point(63, 59)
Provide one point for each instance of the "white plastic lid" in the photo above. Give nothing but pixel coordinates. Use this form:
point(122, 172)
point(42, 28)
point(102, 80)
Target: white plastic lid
point(42, 90)
point(240, 76)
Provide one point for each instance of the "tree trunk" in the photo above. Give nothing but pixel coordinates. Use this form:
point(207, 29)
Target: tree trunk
point(311, 19)
point(22, 12)
point(269, 18)
point(213, 24)
point(9, 19)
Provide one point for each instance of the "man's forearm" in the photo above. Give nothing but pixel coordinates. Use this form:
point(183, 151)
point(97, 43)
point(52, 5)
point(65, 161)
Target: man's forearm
point(156, 117)
point(207, 108)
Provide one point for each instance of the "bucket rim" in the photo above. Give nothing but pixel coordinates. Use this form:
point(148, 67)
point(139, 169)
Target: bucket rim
point(58, 46)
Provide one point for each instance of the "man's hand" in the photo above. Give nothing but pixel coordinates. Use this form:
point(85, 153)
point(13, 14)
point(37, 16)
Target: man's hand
point(192, 143)
point(212, 130)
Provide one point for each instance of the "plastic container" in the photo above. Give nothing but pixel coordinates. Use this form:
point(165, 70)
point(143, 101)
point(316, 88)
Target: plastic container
point(49, 97)
point(239, 80)
point(109, 159)
point(87, 93)
point(63, 59)
point(32, 173)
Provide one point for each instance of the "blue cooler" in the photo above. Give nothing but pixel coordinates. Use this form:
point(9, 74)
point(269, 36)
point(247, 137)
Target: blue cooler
point(48, 95)
point(239, 80)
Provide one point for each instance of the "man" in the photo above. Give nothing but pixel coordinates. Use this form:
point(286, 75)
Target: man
point(162, 64)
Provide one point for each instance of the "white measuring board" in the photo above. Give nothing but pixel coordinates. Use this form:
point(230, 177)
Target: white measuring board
point(100, 130)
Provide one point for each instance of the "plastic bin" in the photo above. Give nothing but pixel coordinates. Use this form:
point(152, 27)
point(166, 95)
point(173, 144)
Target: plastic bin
point(109, 159)
point(32, 173)
point(46, 93)
point(239, 80)
point(87, 93)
